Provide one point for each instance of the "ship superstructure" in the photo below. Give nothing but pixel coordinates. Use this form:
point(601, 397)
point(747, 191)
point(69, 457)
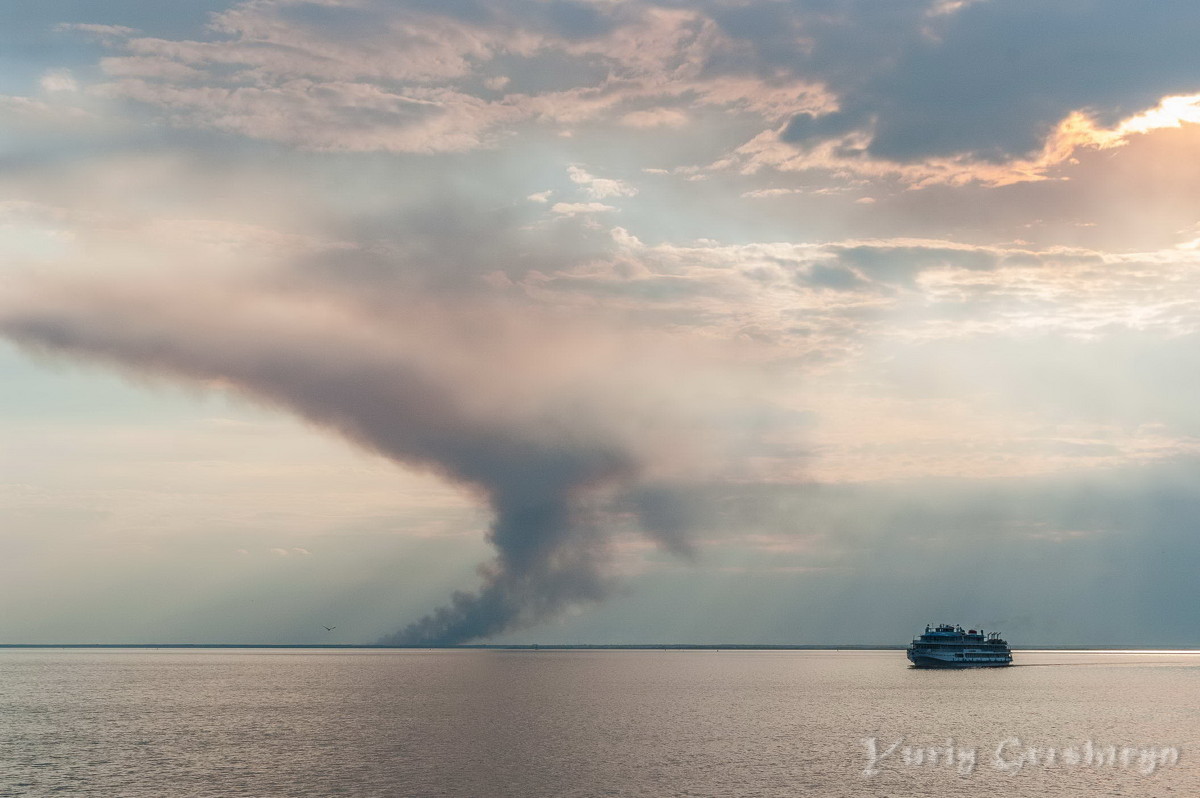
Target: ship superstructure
point(947, 646)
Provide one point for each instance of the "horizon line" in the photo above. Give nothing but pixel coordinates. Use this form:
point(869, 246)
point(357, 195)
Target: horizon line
point(584, 646)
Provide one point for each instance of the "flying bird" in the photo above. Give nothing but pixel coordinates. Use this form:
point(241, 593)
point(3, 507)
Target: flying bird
point(328, 628)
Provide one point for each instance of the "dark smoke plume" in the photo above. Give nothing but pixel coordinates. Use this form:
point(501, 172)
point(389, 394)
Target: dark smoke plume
point(423, 386)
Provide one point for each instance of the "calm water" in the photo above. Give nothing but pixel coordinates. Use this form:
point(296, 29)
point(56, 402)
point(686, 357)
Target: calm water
point(572, 723)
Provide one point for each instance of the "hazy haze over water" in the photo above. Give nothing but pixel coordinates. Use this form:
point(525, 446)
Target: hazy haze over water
point(574, 723)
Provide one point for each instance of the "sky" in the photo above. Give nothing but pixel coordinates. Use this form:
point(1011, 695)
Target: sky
point(599, 321)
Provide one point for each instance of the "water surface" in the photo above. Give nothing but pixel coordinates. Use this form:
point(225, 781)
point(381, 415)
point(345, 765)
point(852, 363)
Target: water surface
point(294, 722)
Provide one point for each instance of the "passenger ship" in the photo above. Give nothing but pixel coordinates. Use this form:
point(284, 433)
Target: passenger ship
point(946, 646)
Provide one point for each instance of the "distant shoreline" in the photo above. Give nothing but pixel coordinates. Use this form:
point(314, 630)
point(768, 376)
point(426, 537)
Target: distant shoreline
point(560, 647)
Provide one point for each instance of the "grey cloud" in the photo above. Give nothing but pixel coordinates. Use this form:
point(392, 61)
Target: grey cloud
point(473, 11)
point(832, 277)
point(773, 30)
point(663, 288)
point(34, 25)
point(900, 264)
point(438, 238)
point(1021, 259)
point(990, 80)
point(430, 387)
point(340, 22)
point(566, 18)
point(1106, 557)
point(671, 512)
point(806, 128)
point(1002, 74)
point(544, 72)
point(571, 20)
point(577, 20)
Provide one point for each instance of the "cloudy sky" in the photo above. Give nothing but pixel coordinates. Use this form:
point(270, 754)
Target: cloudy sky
point(599, 320)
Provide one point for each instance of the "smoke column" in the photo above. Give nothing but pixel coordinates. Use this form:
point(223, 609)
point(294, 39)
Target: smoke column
point(410, 385)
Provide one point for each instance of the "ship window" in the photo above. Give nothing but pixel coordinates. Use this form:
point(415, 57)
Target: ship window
point(959, 654)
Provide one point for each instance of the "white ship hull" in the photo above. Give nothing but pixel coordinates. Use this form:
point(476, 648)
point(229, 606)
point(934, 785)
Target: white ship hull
point(941, 661)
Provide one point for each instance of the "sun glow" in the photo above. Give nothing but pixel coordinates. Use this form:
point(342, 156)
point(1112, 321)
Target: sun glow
point(1170, 112)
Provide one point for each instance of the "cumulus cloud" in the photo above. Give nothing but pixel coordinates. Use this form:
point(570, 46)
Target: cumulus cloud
point(579, 208)
point(59, 80)
point(98, 29)
point(599, 187)
point(766, 193)
point(655, 117)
